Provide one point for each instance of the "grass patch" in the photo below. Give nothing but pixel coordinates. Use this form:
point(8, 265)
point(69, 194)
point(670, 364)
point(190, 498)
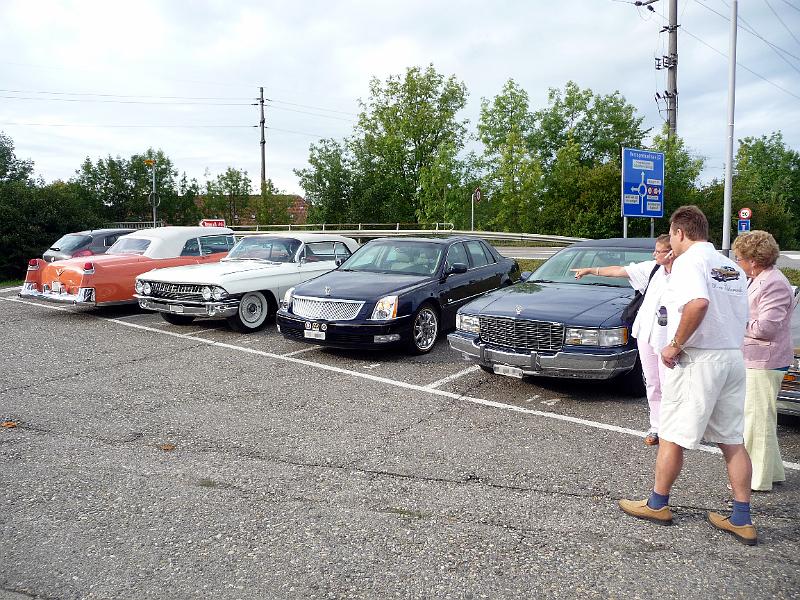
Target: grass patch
point(529, 264)
point(793, 275)
point(10, 282)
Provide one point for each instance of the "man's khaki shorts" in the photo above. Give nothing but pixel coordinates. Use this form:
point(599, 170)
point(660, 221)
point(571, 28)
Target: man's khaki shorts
point(703, 398)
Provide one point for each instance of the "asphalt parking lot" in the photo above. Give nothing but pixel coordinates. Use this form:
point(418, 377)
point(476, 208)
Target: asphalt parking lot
point(151, 461)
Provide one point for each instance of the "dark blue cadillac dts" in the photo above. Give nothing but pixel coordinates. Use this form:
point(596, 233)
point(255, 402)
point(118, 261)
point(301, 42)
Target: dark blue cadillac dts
point(552, 325)
point(394, 291)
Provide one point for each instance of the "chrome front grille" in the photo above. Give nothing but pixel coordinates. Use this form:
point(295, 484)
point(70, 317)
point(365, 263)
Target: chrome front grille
point(328, 310)
point(522, 334)
point(177, 291)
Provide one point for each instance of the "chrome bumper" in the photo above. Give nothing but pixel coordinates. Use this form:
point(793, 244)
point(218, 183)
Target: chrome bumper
point(205, 309)
point(564, 364)
point(84, 297)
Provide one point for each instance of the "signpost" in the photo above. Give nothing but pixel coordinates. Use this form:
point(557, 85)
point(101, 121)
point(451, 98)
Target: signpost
point(212, 223)
point(642, 193)
point(744, 219)
point(152, 197)
point(476, 197)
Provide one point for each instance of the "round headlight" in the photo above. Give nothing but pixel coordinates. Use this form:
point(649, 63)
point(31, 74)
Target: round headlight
point(206, 291)
point(146, 289)
point(138, 286)
point(218, 293)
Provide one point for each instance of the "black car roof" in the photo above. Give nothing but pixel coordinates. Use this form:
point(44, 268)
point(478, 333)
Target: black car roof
point(440, 241)
point(647, 243)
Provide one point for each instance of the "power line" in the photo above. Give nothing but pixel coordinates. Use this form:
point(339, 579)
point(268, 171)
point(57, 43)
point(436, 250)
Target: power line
point(751, 30)
point(123, 95)
point(792, 5)
point(777, 16)
point(305, 112)
point(97, 100)
point(749, 70)
point(127, 126)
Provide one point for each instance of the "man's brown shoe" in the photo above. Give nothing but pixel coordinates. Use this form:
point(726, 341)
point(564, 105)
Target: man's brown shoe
point(640, 510)
point(744, 533)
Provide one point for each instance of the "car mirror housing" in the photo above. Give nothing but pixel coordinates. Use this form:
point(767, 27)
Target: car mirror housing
point(457, 268)
point(525, 274)
point(339, 262)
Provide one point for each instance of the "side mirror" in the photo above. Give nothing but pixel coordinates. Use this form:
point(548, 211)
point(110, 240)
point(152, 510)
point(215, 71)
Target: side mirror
point(457, 268)
point(339, 262)
point(302, 260)
point(525, 274)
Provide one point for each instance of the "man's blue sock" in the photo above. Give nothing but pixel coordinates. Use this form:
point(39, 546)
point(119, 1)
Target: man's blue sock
point(657, 500)
point(741, 514)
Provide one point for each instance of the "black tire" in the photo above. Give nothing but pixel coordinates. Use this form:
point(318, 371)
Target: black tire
point(425, 328)
point(256, 309)
point(487, 369)
point(632, 383)
point(174, 319)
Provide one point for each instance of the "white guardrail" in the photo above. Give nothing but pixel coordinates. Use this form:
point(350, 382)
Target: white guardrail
point(376, 230)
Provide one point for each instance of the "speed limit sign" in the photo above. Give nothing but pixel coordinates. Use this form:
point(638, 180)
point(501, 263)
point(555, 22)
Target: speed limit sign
point(745, 213)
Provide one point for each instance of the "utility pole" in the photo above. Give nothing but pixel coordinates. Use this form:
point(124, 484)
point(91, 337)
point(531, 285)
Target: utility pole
point(728, 194)
point(152, 197)
point(672, 70)
point(263, 144)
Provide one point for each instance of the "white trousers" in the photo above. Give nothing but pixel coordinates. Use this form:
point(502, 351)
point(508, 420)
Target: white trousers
point(654, 372)
point(760, 422)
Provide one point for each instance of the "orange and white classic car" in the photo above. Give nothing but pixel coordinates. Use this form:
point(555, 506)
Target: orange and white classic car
point(109, 278)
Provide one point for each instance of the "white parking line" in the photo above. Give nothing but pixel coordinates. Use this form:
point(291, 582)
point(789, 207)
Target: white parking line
point(301, 351)
point(453, 377)
point(395, 383)
point(10, 289)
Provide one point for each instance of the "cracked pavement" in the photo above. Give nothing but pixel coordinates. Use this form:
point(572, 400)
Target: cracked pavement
point(288, 481)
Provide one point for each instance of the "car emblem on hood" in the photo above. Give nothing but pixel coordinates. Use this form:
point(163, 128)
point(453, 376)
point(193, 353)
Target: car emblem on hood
point(59, 272)
point(327, 291)
point(518, 309)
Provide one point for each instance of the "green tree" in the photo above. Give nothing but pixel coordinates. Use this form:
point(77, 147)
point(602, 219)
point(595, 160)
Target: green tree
point(767, 179)
point(512, 172)
point(328, 182)
point(228, 196)
point(405, 126)
point(597, 124)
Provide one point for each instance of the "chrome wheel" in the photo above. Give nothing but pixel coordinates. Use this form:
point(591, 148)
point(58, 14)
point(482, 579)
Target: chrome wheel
point(252, 314)
point(426, 328)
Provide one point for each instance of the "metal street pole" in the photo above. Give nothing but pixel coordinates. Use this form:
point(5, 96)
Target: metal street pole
point(472, 219)
point(726, 219)
point(152, 164)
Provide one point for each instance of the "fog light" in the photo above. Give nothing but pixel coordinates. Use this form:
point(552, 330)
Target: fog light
point(324, 327)
point(308, 325)
point(383, 339)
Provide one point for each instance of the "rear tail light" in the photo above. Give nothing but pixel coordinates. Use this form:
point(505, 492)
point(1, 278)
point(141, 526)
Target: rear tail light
point(88, 267)
point(33, 264)
point(82, 253)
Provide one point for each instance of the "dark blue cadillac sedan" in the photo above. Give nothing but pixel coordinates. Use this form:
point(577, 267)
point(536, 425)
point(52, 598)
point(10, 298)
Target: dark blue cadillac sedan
point(394, 291)
point(553, 325)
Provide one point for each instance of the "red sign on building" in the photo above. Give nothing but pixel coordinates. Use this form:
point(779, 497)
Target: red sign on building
point(212, 223)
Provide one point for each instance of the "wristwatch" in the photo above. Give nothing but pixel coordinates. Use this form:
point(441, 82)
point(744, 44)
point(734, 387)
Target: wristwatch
point(674, 343)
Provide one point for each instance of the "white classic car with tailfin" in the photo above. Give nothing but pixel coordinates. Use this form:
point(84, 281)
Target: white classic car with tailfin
point(244, 287)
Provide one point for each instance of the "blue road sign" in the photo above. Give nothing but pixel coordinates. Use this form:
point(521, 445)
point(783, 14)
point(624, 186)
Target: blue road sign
point(642, 183)
point(744, 225)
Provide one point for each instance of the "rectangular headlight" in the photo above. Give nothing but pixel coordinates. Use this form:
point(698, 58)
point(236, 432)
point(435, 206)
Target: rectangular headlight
point(468, 323)
point(603, 338)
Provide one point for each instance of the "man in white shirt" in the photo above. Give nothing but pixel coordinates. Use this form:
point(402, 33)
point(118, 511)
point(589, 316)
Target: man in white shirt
point(703, 397)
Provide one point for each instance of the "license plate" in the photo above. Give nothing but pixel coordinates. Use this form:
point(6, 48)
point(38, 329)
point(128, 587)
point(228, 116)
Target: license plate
point(509, 371)
point(314, 335)
point(56, 286)
point(176, 308)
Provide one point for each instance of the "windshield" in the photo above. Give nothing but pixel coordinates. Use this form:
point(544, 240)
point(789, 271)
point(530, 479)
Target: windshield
point(71, 242)
point(129, 245)
point(271, 249)
point(390, 256)
point(557, 268)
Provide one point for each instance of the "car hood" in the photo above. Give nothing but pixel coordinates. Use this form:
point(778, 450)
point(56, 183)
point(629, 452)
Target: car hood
point(359, 285)
point(218, 273)
point(571, 304)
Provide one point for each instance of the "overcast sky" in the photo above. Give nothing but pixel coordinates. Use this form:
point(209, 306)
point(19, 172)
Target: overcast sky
point(95, 78)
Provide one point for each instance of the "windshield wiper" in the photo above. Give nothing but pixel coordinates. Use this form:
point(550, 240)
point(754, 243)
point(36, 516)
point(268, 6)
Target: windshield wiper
point(603, 284)
point(542, 281)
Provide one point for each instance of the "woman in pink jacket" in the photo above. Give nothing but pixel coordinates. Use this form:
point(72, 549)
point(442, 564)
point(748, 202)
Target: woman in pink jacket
point(767, 351)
